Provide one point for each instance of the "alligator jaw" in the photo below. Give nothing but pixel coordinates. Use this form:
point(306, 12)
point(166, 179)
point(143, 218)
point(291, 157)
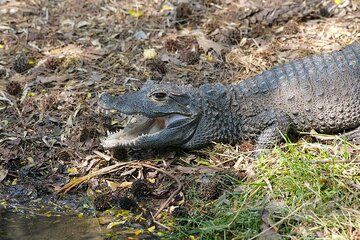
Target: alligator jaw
point(137, 128)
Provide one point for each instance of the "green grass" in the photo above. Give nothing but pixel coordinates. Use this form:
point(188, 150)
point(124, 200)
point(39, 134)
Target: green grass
point(299, 191)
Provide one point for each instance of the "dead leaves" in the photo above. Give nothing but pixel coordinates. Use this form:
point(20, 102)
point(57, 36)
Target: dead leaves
point(72, 51)
point(118, 167)
point(207, 44)
point(203, 42)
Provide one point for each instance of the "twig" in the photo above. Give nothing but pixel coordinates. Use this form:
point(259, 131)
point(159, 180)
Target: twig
point(160, 224)
point(102, 155)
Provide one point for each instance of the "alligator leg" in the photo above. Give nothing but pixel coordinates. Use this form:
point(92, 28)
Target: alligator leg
point(268, 138)
point(278, 125)
point(353, 135)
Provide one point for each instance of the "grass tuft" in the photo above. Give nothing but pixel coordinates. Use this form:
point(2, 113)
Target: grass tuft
point(299, 191)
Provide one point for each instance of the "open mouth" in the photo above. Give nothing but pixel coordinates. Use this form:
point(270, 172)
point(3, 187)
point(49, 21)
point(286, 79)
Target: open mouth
point(138, 127)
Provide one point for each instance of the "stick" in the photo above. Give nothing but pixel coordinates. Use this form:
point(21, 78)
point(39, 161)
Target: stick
point(180, 185)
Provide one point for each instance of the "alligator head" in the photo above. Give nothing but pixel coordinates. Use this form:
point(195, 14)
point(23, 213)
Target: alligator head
point(162, 115)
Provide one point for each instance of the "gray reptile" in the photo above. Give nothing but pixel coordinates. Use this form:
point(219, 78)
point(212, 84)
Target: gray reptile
point(320, 92)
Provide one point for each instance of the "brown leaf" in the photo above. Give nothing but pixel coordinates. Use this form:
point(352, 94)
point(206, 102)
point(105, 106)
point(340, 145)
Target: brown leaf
point(207, 44)
point(114, 185)
point(203, 42)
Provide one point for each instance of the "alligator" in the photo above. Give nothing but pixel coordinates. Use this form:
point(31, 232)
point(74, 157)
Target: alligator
point(320, 92)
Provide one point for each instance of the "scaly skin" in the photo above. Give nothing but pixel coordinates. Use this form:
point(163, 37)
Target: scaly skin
point(321, 92)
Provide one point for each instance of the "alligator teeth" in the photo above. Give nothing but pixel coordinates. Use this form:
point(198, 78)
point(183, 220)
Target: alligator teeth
point(108, 111)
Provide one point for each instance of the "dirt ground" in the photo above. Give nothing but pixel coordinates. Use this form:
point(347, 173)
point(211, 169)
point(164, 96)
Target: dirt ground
point(56, 57)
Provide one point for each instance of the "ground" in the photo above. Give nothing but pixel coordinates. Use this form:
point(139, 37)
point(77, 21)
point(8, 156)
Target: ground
point(56, 57)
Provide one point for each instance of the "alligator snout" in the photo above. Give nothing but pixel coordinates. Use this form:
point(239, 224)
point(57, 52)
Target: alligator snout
point(104, 96)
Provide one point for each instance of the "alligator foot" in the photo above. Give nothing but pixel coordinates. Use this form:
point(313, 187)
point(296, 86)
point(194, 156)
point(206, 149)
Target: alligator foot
point(353, 135)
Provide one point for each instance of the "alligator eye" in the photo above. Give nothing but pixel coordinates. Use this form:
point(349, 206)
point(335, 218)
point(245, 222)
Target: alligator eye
point(159, 96)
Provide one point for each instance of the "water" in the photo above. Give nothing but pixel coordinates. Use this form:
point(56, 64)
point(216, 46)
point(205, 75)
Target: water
point(22, 226)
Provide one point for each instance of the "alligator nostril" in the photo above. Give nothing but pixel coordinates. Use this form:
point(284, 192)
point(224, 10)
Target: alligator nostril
point(103, 95)
point(105, 98)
